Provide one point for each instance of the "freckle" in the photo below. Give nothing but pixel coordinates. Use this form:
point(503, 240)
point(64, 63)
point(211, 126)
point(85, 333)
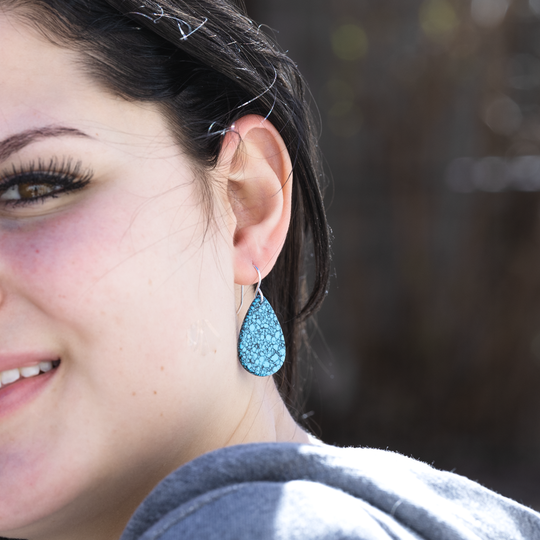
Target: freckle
point(161, 415)
point(162, 368)
point(155, 392)
point(134, 394)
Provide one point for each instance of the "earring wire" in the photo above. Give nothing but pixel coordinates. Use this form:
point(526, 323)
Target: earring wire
point(259, 285)
point(242, 301)
point(256, 293)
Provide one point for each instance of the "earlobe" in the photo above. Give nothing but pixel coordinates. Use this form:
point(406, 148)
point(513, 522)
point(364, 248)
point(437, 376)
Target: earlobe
point(258, 168)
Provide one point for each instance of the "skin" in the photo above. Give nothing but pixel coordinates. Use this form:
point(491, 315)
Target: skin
point(113, 279)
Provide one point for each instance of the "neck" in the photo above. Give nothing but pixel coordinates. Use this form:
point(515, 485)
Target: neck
point(266, 418)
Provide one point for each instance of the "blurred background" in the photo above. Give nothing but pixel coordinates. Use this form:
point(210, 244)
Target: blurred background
point(430, 114)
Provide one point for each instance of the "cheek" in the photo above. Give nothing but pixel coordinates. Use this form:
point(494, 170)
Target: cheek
point(109, 268)
point(58, 257)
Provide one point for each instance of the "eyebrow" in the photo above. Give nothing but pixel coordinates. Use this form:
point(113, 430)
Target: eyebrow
point(17, 142)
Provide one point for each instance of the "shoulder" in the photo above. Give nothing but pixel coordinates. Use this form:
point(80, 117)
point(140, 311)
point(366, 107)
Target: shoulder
point(292, 491)
point(294, 510)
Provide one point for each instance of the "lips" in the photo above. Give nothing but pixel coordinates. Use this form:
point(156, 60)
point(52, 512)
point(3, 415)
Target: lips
point(19, 386)
point(11, 376)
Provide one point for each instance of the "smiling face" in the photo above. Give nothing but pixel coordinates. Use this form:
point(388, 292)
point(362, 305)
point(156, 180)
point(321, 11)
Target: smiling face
point(115, 278)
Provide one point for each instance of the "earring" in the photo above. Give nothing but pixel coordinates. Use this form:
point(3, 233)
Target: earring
point(261, 345)
point(241, 300)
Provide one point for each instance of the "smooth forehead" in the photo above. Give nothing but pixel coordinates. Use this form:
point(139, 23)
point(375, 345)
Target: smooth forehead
point(45, 84)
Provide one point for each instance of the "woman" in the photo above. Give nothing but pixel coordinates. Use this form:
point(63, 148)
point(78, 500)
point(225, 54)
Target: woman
point(156, 162)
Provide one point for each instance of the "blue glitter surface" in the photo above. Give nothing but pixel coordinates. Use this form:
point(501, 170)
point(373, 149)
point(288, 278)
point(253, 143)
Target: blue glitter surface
point(261, 346)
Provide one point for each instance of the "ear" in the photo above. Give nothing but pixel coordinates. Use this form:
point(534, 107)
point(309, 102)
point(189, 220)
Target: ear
point(258, 168)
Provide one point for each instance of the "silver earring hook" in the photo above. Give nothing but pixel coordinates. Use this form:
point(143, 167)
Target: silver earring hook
point(259, 285)
point(241, 301)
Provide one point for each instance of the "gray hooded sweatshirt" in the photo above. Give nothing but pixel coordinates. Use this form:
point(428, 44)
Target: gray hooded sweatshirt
point(299, 492)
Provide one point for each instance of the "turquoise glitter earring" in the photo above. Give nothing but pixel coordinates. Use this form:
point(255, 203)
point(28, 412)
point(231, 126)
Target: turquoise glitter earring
point(261, 345)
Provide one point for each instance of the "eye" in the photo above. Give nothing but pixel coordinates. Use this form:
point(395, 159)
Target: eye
point(38, 182)
point(29, 191)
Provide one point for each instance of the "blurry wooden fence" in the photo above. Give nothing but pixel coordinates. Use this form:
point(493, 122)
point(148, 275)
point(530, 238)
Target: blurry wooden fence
point(431, 131)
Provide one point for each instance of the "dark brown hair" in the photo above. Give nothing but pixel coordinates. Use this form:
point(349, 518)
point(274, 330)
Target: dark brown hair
point(207, 64)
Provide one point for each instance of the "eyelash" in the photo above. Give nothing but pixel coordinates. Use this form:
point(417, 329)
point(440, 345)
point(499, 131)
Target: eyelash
point(66, 175)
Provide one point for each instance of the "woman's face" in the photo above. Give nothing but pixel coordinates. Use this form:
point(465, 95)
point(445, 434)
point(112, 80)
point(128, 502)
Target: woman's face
point(115, 276)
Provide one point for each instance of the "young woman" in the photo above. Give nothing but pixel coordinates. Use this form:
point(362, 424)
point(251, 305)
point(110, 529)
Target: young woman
point(156, 162)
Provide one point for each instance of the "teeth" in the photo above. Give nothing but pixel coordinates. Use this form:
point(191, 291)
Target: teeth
point(12, 375)
point(45, 366)
point(29, 371)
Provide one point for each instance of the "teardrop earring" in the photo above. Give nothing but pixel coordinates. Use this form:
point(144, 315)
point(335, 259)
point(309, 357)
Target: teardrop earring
point(261, 345)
